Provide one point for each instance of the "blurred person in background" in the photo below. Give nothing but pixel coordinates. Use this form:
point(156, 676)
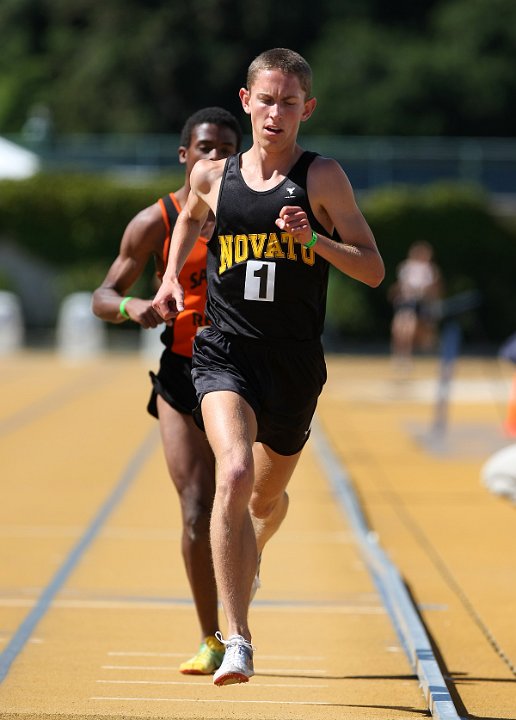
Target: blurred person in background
point(414, 296)
point(211, 133)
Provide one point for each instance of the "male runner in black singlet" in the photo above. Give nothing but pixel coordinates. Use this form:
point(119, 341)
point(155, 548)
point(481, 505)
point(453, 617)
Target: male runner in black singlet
point(259, 369)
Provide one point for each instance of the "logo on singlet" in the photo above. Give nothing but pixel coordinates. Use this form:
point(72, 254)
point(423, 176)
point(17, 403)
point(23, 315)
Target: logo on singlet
point(290, 191)
point(236, 249)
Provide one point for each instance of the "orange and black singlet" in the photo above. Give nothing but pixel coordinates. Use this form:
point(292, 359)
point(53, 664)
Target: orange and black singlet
point(179, 336)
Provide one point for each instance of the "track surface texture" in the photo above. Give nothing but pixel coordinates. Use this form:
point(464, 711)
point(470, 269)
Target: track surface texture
point(95, 608)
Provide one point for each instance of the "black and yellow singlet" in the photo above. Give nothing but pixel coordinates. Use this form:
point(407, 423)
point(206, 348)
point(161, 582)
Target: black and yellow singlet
point(261, 283)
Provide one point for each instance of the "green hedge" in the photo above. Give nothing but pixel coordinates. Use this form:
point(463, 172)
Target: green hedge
point(75, 223)
point(66, 219)
point(475, 249)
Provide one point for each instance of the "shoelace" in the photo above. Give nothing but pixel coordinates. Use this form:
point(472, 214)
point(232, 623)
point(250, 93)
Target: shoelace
point(234, 640)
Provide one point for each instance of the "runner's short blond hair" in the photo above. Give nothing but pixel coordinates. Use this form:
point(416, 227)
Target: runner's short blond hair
point(288, 61)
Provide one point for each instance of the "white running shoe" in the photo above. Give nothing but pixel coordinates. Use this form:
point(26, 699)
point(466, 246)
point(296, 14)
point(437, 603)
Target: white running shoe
point(237, 666)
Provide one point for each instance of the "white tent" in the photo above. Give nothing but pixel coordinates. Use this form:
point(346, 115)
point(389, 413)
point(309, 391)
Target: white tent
point(15, 162)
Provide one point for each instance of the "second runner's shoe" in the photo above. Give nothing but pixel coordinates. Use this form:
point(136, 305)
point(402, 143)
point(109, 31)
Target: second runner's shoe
point(207, 659)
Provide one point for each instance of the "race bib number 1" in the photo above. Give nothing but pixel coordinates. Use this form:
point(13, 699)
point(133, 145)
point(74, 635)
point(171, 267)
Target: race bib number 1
point(259, 280)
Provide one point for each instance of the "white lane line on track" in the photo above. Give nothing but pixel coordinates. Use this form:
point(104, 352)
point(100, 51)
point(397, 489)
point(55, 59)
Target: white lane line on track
point(307, 606)
point(271, 606)
point(40, 531)
point(149, 654)
point(192, 683)
point(152, 534)
point(168, 668)
point(217, 701)
point(291, 671)
point(113, 653)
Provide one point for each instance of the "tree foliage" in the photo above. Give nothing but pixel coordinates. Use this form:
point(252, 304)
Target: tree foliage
point(432, 67)
point(454, 76)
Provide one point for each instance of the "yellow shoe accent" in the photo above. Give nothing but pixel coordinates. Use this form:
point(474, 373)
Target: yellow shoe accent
point(207, 660)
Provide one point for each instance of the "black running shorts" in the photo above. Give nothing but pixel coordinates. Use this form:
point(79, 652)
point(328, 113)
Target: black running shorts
point(174, 383)
point(280, 382)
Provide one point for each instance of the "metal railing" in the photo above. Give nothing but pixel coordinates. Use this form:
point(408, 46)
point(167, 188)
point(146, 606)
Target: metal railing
point(369, 161)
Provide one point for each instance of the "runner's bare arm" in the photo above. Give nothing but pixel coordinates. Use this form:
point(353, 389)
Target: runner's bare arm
point(169, 300)
point(333, 203)
point(142, 239)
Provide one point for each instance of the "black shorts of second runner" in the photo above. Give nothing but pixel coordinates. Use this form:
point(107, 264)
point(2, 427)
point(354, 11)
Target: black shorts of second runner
point(280, 382)
point(174, 383)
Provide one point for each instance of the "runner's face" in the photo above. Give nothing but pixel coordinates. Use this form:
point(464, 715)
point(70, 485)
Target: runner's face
point(208, 142)
point(277, 105)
